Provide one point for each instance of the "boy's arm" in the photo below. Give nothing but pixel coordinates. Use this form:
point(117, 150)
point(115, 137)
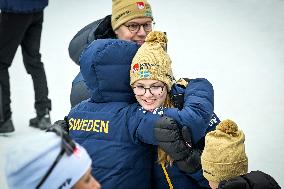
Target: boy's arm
point(196, 113)
point(178, 144)
point(197, 109)
point(141, 125)
point(164, 132)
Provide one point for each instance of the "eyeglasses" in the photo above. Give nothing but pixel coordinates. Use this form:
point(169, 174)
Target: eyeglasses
point(154, 90)
point(135, 27)
point(67, 146)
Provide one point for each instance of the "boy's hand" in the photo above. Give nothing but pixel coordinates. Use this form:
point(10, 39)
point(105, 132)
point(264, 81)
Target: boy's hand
point(177, 143)
point(169, 137)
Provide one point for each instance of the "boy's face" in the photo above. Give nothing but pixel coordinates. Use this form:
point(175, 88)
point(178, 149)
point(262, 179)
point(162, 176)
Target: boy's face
point(87, 181)
point(139, 37)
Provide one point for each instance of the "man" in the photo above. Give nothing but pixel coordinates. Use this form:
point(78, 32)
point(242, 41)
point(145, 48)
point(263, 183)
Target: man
point(130, 20)
point(21, 24)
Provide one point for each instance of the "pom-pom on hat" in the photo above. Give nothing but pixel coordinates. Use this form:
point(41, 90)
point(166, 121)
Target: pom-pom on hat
point(152, 61)
point(125, 10)
point(28, 160)
point(224, 155)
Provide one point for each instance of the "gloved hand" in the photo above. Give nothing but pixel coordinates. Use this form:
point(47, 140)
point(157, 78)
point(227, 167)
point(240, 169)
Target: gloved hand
point(177, 143)
point(62, 124)
point(177, 98)
point(169, 137)
point(192, 162)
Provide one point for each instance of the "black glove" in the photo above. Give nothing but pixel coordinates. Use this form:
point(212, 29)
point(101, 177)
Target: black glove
point(192, 162)
point(169, 137)
point(177, 99)
point(62, 124)
point(177, 144)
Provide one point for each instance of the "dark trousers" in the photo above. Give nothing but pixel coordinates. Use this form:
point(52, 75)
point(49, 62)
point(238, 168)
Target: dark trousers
point(24, 30)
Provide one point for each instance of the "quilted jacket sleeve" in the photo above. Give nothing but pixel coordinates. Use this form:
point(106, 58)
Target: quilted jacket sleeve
point(141, 125)
point(197, 110)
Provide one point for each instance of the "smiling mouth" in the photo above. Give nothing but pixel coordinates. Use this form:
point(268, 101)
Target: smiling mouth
point(140, 42)
point(149, 102)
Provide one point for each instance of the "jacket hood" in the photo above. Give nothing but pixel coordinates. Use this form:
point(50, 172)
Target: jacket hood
point(99, 29)
point(105, 66)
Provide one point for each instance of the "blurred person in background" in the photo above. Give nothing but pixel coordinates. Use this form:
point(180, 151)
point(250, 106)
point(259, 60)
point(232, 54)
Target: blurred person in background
point(21, 25)
point(49, 160)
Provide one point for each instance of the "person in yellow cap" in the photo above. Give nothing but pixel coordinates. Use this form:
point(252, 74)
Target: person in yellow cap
point(225, 163)
point(131, 20)
point(152, 81)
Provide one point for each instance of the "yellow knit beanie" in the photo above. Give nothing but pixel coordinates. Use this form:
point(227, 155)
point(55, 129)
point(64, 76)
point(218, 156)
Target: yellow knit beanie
point(125, 10)
point(224, 155)
point(152, 61)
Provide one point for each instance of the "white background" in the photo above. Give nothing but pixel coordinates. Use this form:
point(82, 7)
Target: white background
point(236, 44)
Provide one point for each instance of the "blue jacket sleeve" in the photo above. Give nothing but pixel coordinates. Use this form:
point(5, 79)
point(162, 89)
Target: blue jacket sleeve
point(197, 110)
point(141, 124)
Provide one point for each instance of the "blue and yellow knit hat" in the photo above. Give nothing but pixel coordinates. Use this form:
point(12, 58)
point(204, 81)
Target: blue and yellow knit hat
point(152, 61)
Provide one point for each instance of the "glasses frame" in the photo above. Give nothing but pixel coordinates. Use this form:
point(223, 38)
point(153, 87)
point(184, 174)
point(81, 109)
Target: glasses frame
point(149, 88)
point(139, 26)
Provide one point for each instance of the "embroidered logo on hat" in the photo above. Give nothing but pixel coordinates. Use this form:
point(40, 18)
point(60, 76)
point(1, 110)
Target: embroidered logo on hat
point(135, 68)
point(144, 74)
point(140, 5)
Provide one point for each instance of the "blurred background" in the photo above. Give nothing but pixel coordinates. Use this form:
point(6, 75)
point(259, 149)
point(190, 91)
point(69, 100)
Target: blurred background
point(238, 45)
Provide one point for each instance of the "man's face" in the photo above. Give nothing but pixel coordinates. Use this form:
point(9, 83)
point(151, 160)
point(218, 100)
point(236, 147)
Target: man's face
point(124, 33)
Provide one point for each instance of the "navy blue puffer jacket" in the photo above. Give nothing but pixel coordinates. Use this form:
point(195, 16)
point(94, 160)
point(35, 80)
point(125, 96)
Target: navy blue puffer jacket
point(107, 125)
point(114, 129)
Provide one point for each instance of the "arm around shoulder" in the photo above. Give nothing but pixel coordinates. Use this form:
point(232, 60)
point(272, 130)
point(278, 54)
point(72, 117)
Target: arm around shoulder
point(197, 109)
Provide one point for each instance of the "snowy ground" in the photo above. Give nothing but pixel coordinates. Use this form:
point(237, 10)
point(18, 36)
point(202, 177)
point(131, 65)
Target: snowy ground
point(237, 45)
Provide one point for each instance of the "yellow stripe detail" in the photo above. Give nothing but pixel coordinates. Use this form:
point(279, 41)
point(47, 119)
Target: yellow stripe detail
point(167, 177)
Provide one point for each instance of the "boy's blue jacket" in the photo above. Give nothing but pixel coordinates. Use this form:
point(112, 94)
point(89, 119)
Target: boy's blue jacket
point(114, 129)
point(23, 6)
